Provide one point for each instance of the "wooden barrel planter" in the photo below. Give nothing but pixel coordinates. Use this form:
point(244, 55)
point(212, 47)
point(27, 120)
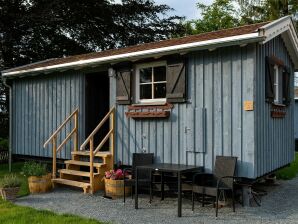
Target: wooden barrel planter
point(40, 184)
point(9, 194)
point(115, 188)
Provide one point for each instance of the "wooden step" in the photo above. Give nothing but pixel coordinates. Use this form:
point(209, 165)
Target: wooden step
point(83, 163)
point(87, 153)
point(77, 173)
point(73, 183)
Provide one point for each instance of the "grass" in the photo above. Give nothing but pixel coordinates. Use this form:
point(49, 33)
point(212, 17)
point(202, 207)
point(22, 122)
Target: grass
point(16, 168)
point(289, 172)
point(14, 214)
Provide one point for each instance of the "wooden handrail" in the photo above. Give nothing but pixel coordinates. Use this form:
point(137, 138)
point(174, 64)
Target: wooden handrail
point(53, 138)
point(110, 135)
point(103, 141)
point(97, 128)
point(66, 139)
point(60, 127)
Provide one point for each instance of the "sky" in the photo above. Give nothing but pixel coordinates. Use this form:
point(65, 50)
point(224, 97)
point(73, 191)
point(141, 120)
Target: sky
point(185, 8)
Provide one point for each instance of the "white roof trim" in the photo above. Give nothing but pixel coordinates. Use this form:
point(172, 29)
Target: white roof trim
point(286, 28)
point(252, 37)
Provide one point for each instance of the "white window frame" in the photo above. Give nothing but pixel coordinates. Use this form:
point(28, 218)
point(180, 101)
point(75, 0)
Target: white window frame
point(148, 65)
point(278, 91)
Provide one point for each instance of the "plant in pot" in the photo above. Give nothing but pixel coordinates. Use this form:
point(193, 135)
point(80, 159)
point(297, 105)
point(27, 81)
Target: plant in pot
point(114, 183)
point(9, 187)
point(39, 179)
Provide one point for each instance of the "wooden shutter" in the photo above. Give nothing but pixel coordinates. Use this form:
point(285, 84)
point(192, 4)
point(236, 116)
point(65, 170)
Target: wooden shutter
point(269, 79)
point(286, 86)
point(123, 92)
point(176, 80)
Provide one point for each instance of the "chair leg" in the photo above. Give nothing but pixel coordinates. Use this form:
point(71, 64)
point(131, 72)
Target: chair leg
point(203, 200)
point(216, 212)
point(233, 199)
point(124, 192)
point(150, 193)
point(193, 201)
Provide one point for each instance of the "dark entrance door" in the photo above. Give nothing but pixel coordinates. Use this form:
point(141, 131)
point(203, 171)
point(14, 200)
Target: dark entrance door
point(97, 104)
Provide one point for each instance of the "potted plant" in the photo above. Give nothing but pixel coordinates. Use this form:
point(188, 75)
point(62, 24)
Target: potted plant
point(39, 179)
point(114, 184)
point(9, 187)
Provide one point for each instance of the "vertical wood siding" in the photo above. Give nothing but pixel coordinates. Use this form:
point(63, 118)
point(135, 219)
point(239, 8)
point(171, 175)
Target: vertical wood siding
point(274, 137)
point(211, 123)
point(40, 105)
point(296, 118)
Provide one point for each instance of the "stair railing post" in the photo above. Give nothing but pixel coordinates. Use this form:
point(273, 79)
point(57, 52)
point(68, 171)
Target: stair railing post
point(54, 156)
point(91, 164)
point(75, 142)
point(113, 137)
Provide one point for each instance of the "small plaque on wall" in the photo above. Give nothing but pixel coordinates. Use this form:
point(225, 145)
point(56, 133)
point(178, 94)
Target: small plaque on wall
point(248, 105)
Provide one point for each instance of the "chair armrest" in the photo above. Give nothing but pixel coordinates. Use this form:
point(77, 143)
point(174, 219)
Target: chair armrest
point(196, 175)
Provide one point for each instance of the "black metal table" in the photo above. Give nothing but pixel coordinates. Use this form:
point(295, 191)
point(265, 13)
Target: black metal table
point(171, 168)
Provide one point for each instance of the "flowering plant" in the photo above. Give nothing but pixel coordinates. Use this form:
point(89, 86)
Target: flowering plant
point(115, 174)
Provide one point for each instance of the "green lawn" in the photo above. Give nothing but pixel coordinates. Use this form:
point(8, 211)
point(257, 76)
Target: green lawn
point(16, 168)
point(289, 172)
point(14, 214)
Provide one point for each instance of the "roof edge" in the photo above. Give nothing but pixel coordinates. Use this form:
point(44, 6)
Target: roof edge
point(182, 48)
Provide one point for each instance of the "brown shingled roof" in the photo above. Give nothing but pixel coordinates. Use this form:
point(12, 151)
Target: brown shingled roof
point(247, 29)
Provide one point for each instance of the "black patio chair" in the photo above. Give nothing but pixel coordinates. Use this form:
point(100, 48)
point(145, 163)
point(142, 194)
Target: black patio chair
point(220, 182)
point(144, 176)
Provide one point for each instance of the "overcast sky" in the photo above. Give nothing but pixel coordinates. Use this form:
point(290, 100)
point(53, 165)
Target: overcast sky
point(184, 7)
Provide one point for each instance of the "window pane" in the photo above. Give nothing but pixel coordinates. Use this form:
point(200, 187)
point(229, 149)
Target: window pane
point(160, 90)
point(146, 91)
point(159, 74)
point(145, 75)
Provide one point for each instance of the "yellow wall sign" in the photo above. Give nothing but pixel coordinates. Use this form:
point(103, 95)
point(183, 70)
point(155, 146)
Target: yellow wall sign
point(249, 105)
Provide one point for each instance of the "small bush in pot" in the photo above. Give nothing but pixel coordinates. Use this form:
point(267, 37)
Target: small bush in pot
point(9, 187)
point(39, 179)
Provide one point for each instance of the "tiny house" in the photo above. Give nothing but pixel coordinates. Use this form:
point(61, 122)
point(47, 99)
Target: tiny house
point(187, 100)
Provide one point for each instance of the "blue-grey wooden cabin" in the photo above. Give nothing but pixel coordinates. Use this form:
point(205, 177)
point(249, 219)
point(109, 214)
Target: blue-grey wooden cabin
point(187, 100)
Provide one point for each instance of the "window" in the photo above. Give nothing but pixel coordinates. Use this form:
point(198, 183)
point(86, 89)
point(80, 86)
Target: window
point(278, 91)
point(151, 82)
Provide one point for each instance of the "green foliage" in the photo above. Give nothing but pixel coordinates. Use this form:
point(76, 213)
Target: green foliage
point(219, 15)
point(10, 181)
point(289, 172)
point(34, 169)
point(223, 14)
point(16, 167)
point(11, 213)
point(4, 144)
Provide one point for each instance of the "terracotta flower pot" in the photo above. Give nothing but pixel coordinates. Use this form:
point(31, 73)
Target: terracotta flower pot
point(41, 184)
point(9, 194)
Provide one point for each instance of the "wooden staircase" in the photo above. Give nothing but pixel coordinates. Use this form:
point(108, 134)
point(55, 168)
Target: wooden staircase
point(87, 167)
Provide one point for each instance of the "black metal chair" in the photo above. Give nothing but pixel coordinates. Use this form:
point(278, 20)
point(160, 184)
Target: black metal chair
point(220, 182)
point(144, 176)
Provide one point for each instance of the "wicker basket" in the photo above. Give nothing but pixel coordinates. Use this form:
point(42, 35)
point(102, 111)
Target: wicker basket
point(9, 194)
point(114, 188)
point(40, 184)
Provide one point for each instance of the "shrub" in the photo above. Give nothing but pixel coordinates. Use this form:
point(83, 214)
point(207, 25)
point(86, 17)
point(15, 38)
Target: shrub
point(10, 181)
point(3, 144)
point(34, 169)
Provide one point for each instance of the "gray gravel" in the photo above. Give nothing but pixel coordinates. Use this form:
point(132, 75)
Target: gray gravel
point(279, 206)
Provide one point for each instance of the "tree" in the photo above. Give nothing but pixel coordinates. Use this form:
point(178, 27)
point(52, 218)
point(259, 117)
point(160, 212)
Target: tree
point(34, 30)
point(219, 15)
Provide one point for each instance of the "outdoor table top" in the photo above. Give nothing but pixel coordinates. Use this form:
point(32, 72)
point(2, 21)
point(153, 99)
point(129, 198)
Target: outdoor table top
point(168, 167)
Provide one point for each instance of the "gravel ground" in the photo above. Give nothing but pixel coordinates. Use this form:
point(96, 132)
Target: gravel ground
point(279, 206)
